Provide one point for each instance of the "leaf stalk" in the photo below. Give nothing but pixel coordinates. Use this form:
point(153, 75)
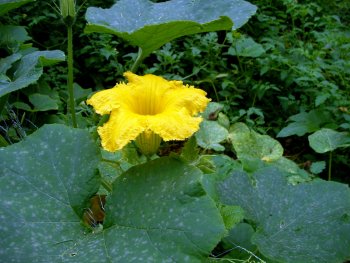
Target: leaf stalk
point(138, 61)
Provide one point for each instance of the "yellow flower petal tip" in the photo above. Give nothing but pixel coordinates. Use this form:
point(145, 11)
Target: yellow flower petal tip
point(147, 109)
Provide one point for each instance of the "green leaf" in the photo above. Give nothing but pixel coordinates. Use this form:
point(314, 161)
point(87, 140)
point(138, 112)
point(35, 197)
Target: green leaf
point(239, 242)
point(326, 140)
point(54, 159)
point(292, 170)
point(6, 63)
point(190, 150)
point(246, 47)
point(210, 135)
point(80, 94)
point(212, 111)
point(309, 222)
point(7, 5)
point(151, 25)
point(157, 212)
point(321, 98)
point(162, 215)
point(223, 120)
point(317, 167)
point(221, 167)
point(161, 212)
point(304, 122)
point(43, 102)
point(29, 69)
point(21, 105)
point(3, 142)
point(3, 101)
point(231, 215)
point(11, 37)
point(116, 163)
point(45, 183)
point(249, 144)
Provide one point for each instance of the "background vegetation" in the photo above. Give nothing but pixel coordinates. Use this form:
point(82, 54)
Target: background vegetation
point(292, 57)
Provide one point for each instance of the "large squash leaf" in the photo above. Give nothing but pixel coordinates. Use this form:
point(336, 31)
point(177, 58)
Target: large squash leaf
point(7, 5)
point(158, 211)
point(45, 183)
point(309, 222)
point(151, 25)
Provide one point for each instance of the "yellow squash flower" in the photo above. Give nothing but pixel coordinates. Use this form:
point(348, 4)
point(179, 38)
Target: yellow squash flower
point(147, 109)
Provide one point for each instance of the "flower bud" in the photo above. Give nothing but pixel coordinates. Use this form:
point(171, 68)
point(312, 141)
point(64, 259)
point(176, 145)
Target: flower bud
point(68, 12)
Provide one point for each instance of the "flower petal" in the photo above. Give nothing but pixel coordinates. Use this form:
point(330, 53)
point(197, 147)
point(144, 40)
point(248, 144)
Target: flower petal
point(174, 125)
point(122, 127)
point(187, 97)
point(104, 101)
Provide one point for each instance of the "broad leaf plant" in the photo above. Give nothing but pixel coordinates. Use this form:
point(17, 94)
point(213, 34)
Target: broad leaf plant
point(113, 193)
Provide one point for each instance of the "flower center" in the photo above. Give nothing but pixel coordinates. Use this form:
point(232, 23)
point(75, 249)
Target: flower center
point(149, 102)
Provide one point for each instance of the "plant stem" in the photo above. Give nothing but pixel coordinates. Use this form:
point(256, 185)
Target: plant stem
point(137, 62)
point(106, 185)
point(215, 91)
point(70, 75)
point(254, 99)
point(239, 62)
point(330, 166)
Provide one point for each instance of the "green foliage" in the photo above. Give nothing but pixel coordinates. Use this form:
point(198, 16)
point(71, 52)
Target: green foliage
point(210, 135)
point(245, 47)
point(29, 69)
point(7, 5)
point(24, 65)
point(326, 140)
point(150, 25)
point(151, 214)
point(115, 164)
point(231, 215)
point(248, 143)
point(43, 102)
point(21, 65)
point(234, 193)
point(238, 242)
point(317, 167)
point(52, 161)
point(305, 122)
point(190, 150)
point(294, 223)
point(164, 210)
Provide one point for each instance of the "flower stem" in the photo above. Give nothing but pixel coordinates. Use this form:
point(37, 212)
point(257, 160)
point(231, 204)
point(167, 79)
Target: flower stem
point(70, 75)
point(137, 62)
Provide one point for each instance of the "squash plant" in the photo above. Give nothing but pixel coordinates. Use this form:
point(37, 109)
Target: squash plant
point(65, 199)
